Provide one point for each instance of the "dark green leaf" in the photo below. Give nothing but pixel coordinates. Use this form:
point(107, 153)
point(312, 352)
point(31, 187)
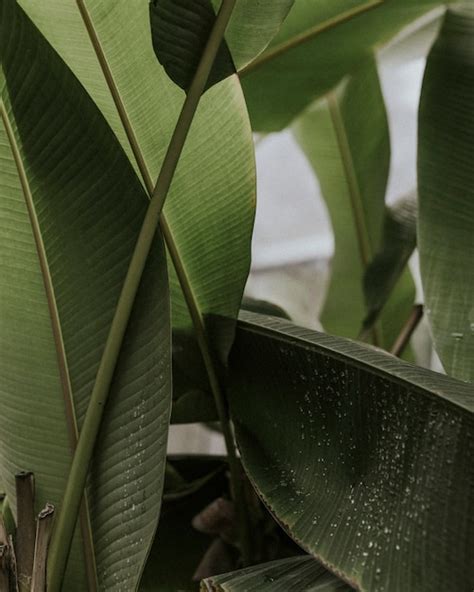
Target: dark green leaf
point(365, 460)
point(446, 190)
point(180, 30)
point(296, 574)
point(397, 245)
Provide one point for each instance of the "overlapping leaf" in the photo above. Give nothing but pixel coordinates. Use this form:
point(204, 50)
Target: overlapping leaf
point(210, 209)
point(181, 28)
point(446, 189)
point(71, 208)
point(319, 43)
point(346, 139)
point(297, 574)
point(365, 460)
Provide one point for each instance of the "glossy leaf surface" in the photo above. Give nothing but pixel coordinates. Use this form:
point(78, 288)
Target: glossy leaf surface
point(446, 188)
point(71, 209)
point(365, 460)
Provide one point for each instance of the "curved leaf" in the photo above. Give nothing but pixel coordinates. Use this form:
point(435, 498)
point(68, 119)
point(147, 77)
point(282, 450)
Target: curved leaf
point(390, 261)
point(365, 460)
point(346, 139)
point(319, 43)
point(296, 574)
point(71, 209)
point(210, 210)
point(446, 188)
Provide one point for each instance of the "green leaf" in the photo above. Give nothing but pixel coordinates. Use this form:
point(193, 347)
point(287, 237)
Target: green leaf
point(71, 209)
point(365, 460)
point(346, 139)
point(390, 261)
point(264, 307)
point(446, 189)
point(296, 574)
point(319, 43)
point(210, 210)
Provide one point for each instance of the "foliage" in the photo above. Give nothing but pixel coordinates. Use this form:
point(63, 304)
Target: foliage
point(355, 468)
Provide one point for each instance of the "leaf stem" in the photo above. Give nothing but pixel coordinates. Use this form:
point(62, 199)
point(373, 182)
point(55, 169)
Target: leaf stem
point(407, 331)
point(186, 287)
point(68, 513)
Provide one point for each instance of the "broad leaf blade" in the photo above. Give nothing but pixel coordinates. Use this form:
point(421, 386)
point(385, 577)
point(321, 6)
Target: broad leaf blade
point(446, 189)
point(296, 574)
point(72, 208)
point(319, 43)
point(346, 139)
point(365, 460)
point(390, 261)
point(213, 192)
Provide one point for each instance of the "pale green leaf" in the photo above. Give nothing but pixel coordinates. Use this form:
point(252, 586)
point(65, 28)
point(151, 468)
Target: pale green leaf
point(364, 459)
point(296, 574)
point(71, 209)
point(319, 43)
point(446, 190)
point(346, 139)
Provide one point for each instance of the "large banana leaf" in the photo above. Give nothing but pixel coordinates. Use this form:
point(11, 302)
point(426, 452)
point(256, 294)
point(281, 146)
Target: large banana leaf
point(318, 44)
point(446, 188)
point(180, 31)
point(365, 460)
point(71, 207)
point(346, 139)
point(210, 209)
point(296, 574)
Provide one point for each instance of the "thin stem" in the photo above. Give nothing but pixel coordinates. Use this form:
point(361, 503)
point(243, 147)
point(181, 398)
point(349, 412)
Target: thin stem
point(308, 35)
point(186, 287)
point(407, 331)
point(63, 533)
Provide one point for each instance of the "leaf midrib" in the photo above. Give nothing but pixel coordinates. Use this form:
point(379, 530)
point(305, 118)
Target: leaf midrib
point(309, 35)
point(63, 368)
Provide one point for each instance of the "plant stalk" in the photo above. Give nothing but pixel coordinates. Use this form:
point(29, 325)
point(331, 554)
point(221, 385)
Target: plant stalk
point(68, 513)
point(43, 535)
point(407, 331)
point(188, 293)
